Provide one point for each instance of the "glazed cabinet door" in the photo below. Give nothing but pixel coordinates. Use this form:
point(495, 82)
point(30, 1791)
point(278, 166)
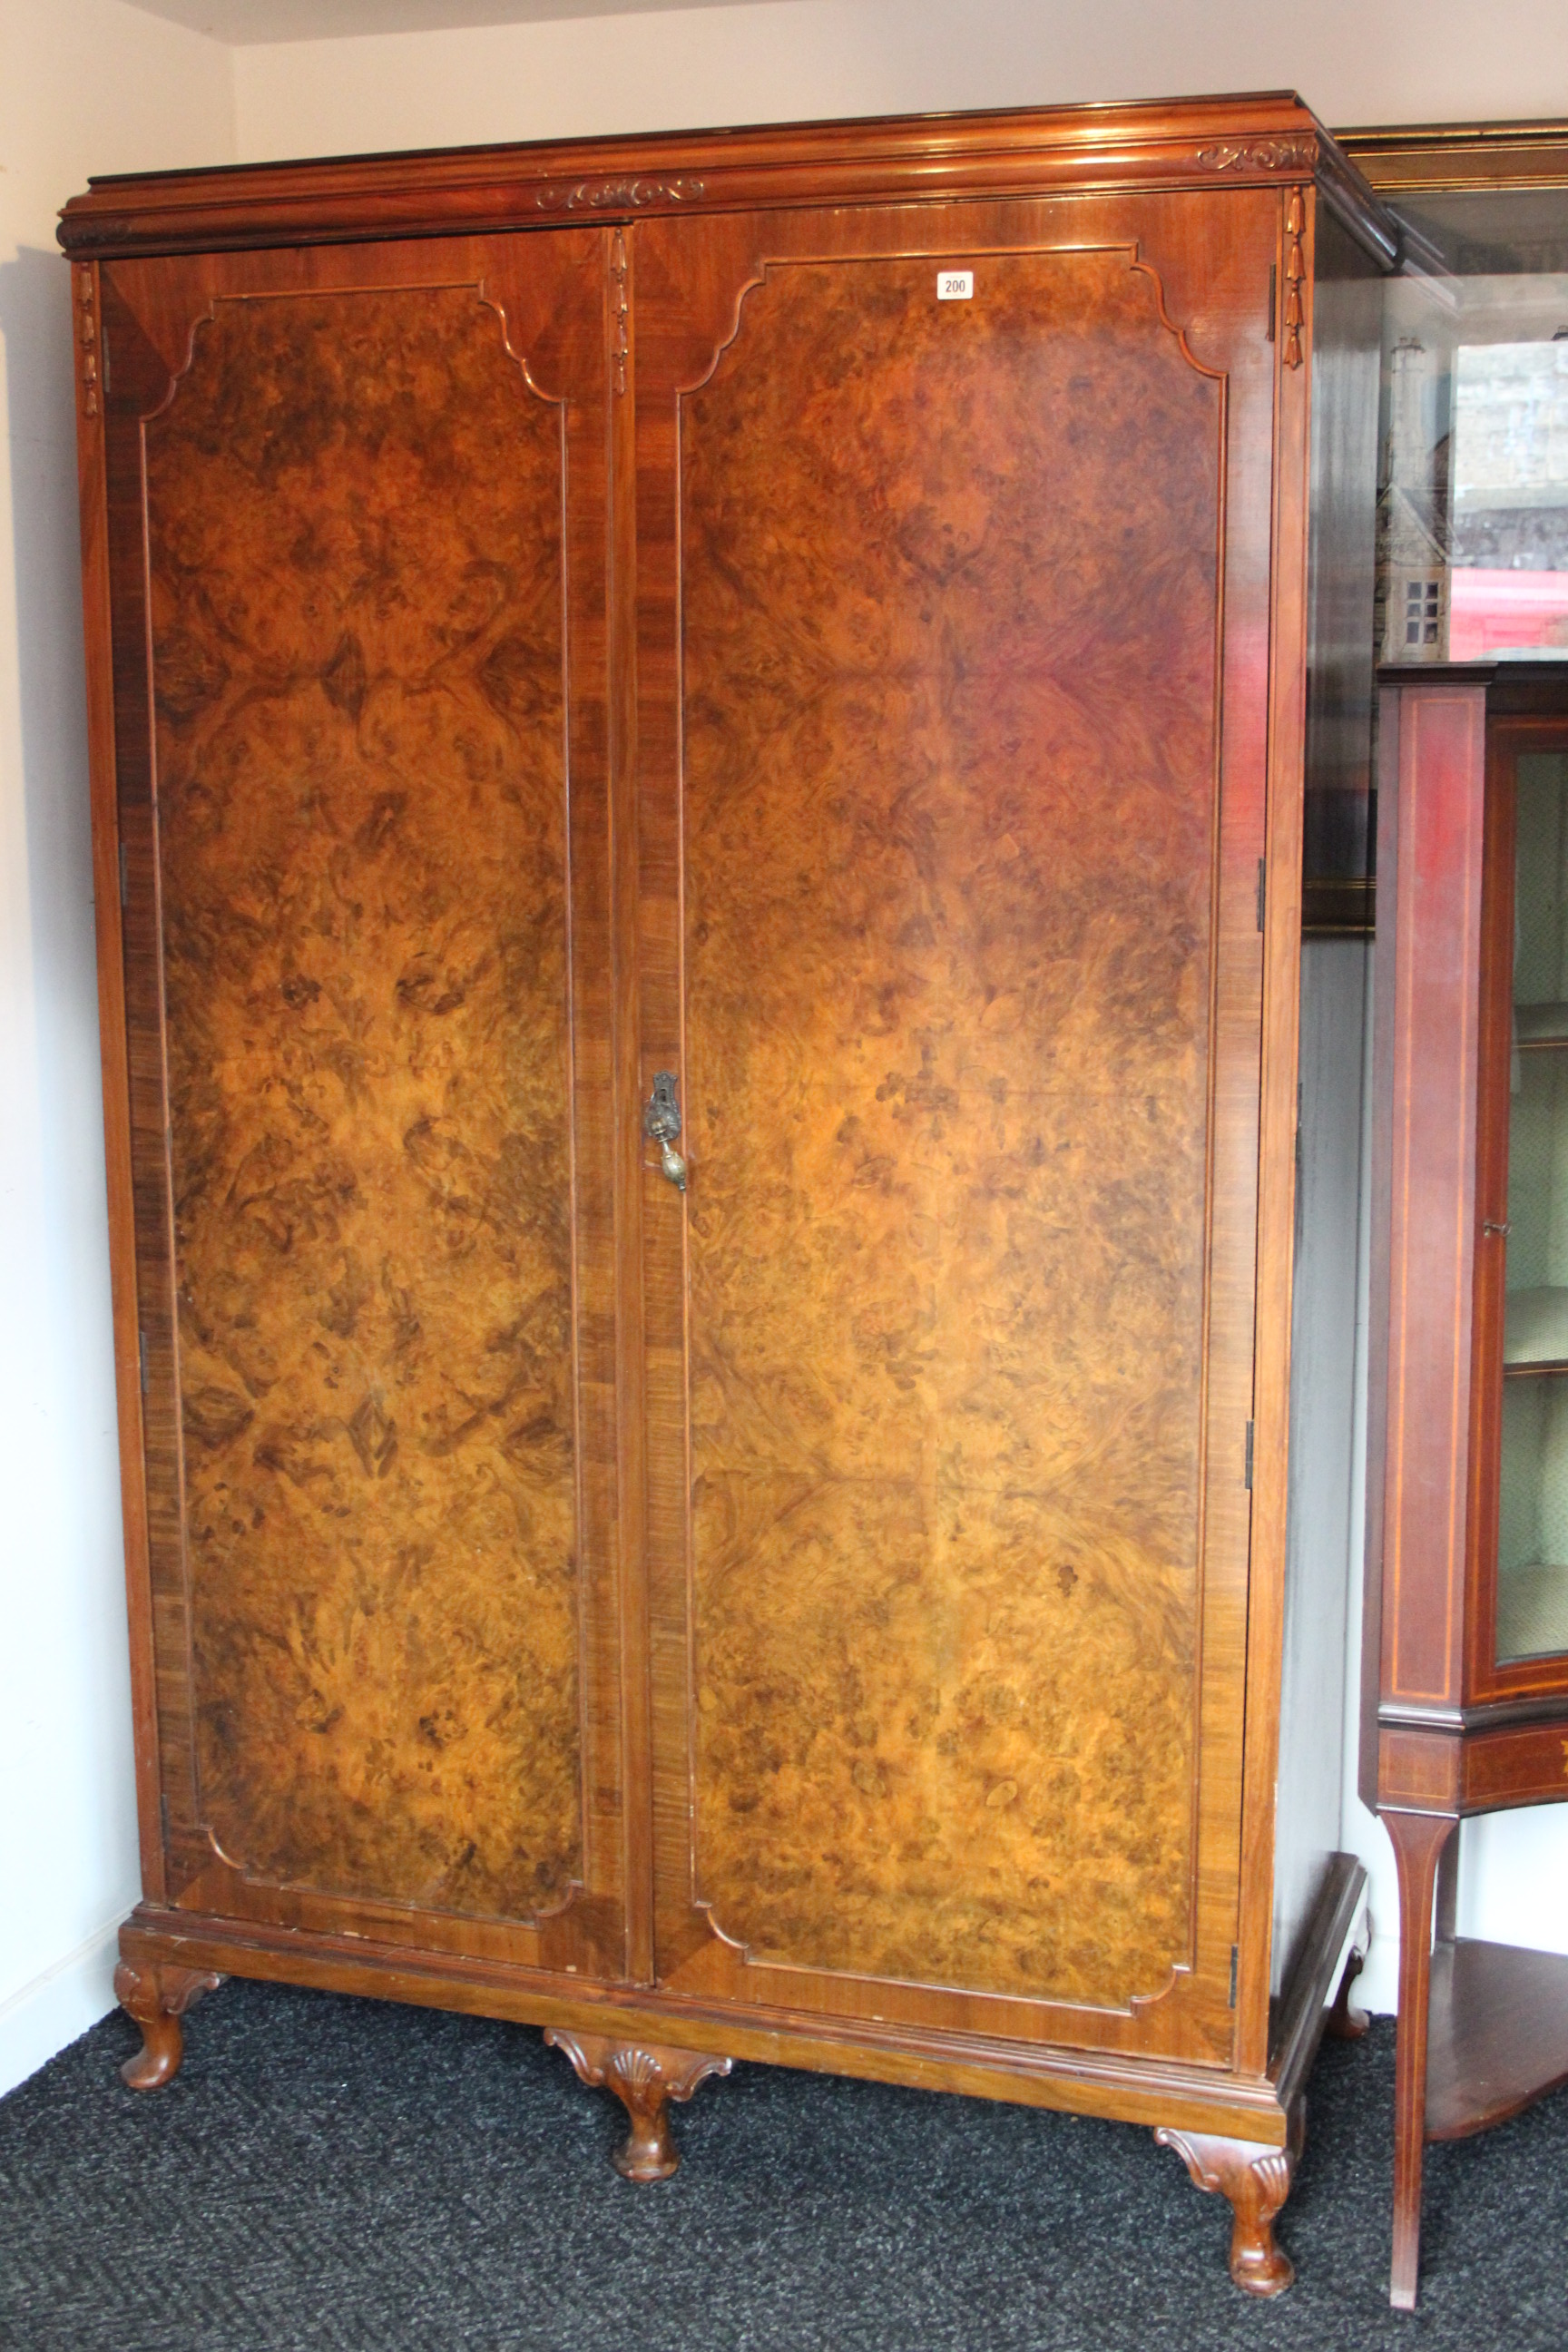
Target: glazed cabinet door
point(1517, 1633)
point(357, 544)
point(954, 547)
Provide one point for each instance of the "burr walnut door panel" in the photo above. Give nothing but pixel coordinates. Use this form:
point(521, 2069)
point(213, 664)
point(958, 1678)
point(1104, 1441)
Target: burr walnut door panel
point(954, 529)
point(358, 526)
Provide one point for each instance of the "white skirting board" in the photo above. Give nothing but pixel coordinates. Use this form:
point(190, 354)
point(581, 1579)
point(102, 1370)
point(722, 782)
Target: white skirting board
point(42, 2017)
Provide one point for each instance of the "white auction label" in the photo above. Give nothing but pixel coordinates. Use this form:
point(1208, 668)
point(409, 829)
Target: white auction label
point(955, 285)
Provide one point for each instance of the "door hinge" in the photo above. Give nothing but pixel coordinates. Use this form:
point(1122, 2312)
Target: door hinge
point(168, 1833)
point(1246, 1479)
point(124, 876)
point(1262, 881)
point(141, 1358)
point(1273, 297)
point(1233, 1975)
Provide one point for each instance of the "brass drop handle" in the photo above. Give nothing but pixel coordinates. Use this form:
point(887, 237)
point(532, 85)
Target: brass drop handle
point(1490, 1225)
point(661, 1123)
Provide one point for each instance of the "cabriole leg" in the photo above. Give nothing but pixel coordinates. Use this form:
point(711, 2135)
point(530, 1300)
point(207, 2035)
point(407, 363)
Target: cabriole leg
point(1346, 2023)
point(1256, 2180)
point(644, 2077)
point(157, 1998)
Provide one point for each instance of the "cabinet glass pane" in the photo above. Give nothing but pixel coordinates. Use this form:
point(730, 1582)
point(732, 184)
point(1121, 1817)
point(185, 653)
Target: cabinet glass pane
point(1473, 491)
point(1533, 1538)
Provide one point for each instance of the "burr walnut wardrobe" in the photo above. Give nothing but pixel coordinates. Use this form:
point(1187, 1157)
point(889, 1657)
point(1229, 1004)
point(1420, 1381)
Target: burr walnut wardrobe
point(698, 756)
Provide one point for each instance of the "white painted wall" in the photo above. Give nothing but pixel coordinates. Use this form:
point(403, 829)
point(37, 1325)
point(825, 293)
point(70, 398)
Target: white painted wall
point(86, 85)
point(1353, 60)
point(99, 85)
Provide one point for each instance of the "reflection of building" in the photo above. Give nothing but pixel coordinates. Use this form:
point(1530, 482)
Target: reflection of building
point(1510, 467)
point(1413, 551)
point(1473, 525)
point(1509, 537)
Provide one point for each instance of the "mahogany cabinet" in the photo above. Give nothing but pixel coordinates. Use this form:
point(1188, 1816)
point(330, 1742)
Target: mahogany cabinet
point(698, 758)
point(1465, 1665)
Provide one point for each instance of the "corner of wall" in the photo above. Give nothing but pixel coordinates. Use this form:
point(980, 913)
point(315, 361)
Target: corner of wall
point(88, 86)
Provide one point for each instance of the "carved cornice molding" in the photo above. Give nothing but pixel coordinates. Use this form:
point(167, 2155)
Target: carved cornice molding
point(616, 196)
point(490, 190)
point(1260, 155)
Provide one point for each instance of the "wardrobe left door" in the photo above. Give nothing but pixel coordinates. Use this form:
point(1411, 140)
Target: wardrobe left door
point(354, 574)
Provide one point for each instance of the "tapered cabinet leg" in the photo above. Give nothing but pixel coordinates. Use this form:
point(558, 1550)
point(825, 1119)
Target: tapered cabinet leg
point(1418, 1840)
point(644, 2077)
point(1256, 2180)
point(157, 1998)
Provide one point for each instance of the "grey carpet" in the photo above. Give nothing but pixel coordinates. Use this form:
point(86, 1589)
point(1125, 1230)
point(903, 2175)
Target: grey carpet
point(334, 2173)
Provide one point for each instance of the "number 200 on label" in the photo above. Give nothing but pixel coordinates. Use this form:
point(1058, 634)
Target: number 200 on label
point(955, 285)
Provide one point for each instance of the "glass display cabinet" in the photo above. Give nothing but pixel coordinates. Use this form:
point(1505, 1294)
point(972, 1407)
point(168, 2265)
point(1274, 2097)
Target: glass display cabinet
point(1466, 1669)
point(1466, 1675)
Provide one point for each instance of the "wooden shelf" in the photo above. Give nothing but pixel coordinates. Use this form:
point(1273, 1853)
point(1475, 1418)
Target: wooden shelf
point(1537, 1028)
point(1535, 1335)
point(1498, 2037)
point(1533, 1610)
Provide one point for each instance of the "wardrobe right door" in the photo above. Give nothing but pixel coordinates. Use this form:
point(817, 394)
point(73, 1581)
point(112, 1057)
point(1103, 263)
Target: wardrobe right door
point(953, 546)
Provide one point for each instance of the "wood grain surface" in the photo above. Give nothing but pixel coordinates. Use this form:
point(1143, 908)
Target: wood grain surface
point(950, 667)
point(355, 554)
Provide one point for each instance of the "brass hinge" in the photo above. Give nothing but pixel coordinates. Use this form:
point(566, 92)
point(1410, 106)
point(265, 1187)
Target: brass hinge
point(141, 1358)
point(1273, 297)
point(124, 876)
point(1246, 1479)
point(168, 1833)
point(1233, 1975)
point(1262, 879)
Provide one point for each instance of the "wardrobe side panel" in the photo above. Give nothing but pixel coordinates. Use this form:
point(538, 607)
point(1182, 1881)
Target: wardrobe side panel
point(1335, 1018)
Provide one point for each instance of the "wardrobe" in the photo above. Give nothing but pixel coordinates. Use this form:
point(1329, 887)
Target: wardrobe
point(698, 750)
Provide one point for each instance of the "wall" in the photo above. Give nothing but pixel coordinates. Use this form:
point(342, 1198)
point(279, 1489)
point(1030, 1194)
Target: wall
point(88, 85)
point(1394, 60)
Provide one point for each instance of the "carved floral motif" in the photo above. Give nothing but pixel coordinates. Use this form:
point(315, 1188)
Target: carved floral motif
point(87, 338)
point(610, 196)
point(1295, 270)
point(622, 310)
point(1260, 155)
